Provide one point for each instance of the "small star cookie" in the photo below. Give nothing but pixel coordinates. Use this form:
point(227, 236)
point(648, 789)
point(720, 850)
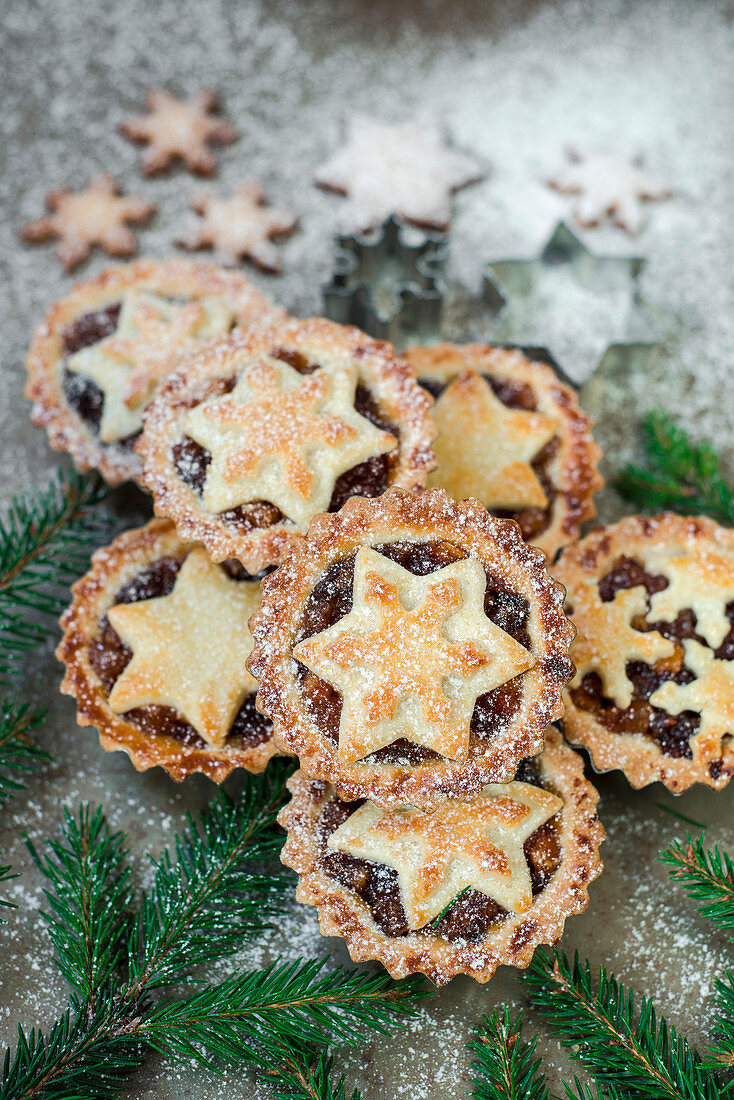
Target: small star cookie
point(241, 227)
point(609, 185)
point(437, 855)
point(96, 215)
point(179, 128)
point(412, 656)
point(406, 169)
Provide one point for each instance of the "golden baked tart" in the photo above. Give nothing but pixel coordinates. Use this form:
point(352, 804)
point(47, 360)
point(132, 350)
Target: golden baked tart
point(460, 889)
point(512, 435)
point(155, 643)
point(653, 603)
point(95, 361)
point(411, 649)
point(256, 434)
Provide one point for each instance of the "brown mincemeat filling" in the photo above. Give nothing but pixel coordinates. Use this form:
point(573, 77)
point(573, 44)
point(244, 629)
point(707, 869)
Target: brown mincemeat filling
point(519, 395)
point(109, 657)
point(672, 732)
point(472, 915)
point(368, 479)
point(331, 600)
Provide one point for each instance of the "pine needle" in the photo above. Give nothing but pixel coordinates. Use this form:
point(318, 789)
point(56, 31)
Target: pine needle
point(707, 876)
point(18, 754)
point(46, 537)
point(307, 1076)
point(625, 1049)
point(682, 475)
point(6, 874)
point(722, 1051)
point(504, 1066)
point(88, 900)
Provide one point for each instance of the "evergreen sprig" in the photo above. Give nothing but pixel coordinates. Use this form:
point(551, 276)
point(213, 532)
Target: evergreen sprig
point(626, 1049)
point(505, 1066)
point(204, 899)
point(681, 474)
point(46, 537)
point(19, 755)
point(722, 1049)
point(707, 876)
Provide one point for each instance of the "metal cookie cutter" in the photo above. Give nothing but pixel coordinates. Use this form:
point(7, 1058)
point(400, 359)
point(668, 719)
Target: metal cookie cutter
point(389, 282)
point(633, 344)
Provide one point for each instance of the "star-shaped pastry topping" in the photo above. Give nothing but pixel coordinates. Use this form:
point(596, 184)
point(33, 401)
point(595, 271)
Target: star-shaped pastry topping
point(189, 648)
point(151, 334)
point(703, 581)
point(412, 656)
point(283, 437)
point(242, 227)
point(460, 844)
point(98, 214)
point(606, 640)
point(711, 694)
point(610, 185)
point(404, 169)
point(180, 128)
point(485, 449)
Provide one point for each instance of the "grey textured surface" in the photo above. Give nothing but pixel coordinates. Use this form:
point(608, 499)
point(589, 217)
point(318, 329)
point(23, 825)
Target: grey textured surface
point(515, 83)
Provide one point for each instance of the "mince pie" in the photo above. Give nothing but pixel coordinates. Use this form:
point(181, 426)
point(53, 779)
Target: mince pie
point(512, 435)
point(653, 602)
point(155, 643)
point(258, 433)
point(411, 649)
point(460, 889)
point(94, 363)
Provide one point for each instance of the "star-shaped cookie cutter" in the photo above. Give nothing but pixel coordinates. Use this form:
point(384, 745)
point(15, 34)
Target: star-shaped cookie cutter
point(505, 281)
point(389, 282)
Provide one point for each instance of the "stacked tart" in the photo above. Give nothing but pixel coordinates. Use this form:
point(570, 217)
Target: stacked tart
point(302, 591)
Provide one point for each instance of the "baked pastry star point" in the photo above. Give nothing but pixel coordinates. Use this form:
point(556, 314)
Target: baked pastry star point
point(711, 694)
point(438, 854)
point(703, 581)
point(412, 656)
point(206, 612)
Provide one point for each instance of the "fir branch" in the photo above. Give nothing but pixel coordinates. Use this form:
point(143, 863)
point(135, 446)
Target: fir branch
point(203, 904)
point(307, 1076)
point(722, 1051)
point(504, 1066)
point(681, 474)
point(6, 874)
point(18, 754)
point(45, 541)
point(624, 1050)
point(251, 1017)
point(707, 876)
point(88, 899)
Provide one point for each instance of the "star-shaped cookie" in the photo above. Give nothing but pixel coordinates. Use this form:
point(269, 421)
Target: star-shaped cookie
point(241, 227)
point(703, 581)
point(711, 694)
point(606, 640)
point(179, 128)
point(437, 855)
point(283, 437)
point(405, 169)
point(151, 334)
point(485, 449)
point(412, 656)
point(98, 214)
point(610, 185)
point(189, 648)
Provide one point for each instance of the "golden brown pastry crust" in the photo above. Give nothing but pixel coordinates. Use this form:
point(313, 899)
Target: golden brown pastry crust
point(343, 913)
point(112, 567)
point(384, 374)
point(187, 279)
point(426, 516)
point(574, 468)
point(588, 561)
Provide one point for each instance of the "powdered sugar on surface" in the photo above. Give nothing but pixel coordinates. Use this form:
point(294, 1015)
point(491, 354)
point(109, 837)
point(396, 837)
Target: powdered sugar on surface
point(512, 85)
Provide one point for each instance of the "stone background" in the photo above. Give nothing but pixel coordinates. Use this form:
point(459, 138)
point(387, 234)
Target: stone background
point(515, 83)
